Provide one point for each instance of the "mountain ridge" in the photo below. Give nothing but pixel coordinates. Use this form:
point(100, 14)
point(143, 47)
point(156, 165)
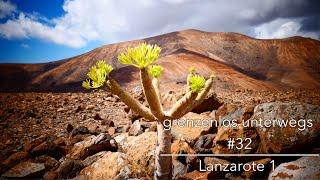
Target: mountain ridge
point(273, 64)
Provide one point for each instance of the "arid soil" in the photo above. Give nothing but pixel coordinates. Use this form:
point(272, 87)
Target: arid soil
point(27, 116)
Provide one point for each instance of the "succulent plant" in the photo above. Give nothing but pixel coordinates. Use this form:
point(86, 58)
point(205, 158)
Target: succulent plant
point(143, 57)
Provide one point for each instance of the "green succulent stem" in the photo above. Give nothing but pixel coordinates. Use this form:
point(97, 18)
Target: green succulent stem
point(151, 94)
point(134, 104)
point(192, 72)
point(178, 109)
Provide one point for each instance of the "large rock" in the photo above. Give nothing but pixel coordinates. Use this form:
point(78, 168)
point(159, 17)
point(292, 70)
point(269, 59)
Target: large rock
point(225, 133)
point(49, 162)
point(29, 145)
point(276, 139)
point(191, 126)
point(13, 160)
point(91, 159)
point(66, 169)
point(303, 168)
point(232, 111)
point(140, 151)
point(49, 147)
point(92, 145)
point(183, 164)
point(27, 170)
point(112, 165)
point(271, 139)
point(225, 109)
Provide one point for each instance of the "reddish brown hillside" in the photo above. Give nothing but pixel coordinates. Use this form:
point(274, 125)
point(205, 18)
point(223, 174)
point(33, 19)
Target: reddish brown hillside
point(239, 62)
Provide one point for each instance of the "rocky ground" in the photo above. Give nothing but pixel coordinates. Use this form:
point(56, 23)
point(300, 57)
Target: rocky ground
point(72, 135)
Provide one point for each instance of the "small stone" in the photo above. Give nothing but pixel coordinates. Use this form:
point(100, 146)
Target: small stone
point(79, 130)
point(90, 107)
point(204, 144)
point(97, 117)
point(60, 109)
point(111, 131)
point(69, 128)
point(108, 123)
point(135, 129)
point(179, 169)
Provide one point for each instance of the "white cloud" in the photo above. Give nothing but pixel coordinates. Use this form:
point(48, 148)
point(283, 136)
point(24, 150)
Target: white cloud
point(6, 8)
point(281, 28)
point(111, 21)
point(26, 27)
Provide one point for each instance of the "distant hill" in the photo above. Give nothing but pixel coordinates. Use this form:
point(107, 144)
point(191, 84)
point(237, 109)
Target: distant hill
point(240, 62)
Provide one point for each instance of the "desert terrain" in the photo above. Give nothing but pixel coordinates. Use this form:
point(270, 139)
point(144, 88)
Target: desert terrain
point(52, 128)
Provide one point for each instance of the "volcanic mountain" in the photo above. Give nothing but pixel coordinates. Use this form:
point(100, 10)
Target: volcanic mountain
point(239, 62)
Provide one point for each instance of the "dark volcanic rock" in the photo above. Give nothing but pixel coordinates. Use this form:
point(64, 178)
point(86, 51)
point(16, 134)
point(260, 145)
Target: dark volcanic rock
point(69, 128)
point(79, 130)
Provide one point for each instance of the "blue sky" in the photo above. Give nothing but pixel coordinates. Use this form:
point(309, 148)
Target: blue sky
point(31, 50)
point(35, 31)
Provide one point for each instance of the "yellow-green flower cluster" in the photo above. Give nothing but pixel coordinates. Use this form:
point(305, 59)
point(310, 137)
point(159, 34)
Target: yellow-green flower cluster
point(97, 75)
point(141, 56)
point(196, 83)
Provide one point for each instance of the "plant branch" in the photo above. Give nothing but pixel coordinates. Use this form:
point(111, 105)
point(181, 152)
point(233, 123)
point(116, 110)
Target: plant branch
point(125, 97)
point(151, 94)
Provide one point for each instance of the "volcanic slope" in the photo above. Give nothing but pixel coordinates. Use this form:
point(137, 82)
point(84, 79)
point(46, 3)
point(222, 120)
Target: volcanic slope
point(239, 62)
